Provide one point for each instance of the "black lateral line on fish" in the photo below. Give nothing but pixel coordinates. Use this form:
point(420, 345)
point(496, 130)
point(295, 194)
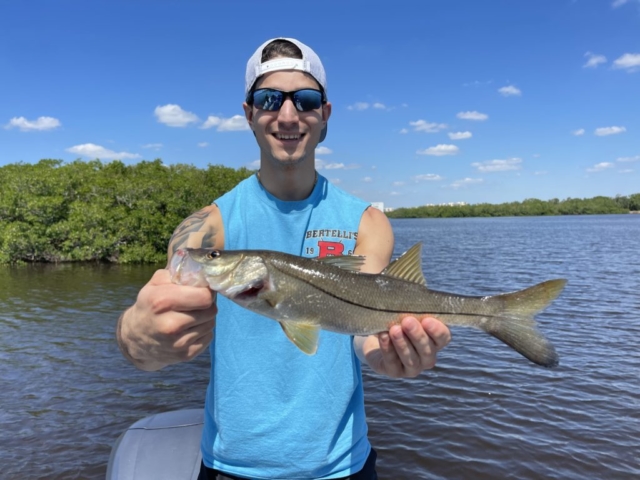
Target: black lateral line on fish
point(294, 272)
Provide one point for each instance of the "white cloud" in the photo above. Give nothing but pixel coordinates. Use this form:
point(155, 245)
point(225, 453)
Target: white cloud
point(618, 3)
point(358, 106)
point(92, 150)
point(367, 179)
point(398, 184)
point(465, 182)
point(322, 165)
point(335, 181)
point(578, 132)
point(335, 166)
point(236, 123)
point(510, 91)
point(40, 124)
point(255, 165)
point(477, 83)
point(439, 150)
point(404, 130)
point(604, 131)
point(629, 159)
point(174, 116)
point(626, 170)
point(379, 106)
point(472, 116)
point(429, 127)
point(628, 61)
point(323, 151)
point(498, 165)
point(203, 144)
point(540, 172)
point(460, 135)
point(600, 166)
point(427, 177)
point(593, 60)
point(154, 146)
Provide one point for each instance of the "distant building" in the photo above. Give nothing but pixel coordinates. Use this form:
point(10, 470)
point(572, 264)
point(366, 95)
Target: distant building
point(450, 204)
point(378, 205)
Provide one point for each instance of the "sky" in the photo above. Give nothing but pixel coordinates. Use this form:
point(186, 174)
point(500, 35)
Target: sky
point(434, 101)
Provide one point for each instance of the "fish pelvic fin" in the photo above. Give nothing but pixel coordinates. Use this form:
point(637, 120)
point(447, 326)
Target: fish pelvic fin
point(303, 335)
point(516, 326)
point(408, 266)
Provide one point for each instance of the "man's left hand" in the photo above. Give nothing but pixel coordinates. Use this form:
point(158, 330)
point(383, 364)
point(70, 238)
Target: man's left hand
point(407, 349)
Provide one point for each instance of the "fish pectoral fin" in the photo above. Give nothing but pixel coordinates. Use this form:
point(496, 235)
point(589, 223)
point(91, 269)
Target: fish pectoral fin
point(303, 335)
point(272, 297)
point(408, 266)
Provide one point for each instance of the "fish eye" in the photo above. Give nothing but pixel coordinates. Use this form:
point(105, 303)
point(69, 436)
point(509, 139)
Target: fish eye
point(213, 254)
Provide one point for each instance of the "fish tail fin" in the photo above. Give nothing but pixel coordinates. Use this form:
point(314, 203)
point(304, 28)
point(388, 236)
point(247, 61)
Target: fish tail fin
point(516, 326)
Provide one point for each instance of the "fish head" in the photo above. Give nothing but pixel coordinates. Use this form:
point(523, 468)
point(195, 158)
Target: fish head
point(238, 275)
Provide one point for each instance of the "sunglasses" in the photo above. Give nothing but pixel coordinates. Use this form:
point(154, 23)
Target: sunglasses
point(271, 100)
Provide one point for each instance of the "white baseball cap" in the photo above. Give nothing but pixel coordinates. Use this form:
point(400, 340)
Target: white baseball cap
point(309, 63)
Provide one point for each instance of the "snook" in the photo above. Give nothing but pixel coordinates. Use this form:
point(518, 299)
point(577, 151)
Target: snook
point(306, 295)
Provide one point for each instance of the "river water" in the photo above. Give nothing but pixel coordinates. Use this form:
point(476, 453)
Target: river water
point(483, 412)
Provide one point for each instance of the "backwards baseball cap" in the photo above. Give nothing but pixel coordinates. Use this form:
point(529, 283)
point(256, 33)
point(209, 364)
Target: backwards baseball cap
point(309, 63)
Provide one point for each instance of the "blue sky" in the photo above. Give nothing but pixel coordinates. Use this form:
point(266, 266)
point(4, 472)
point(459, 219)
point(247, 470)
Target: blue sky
point(433, 101)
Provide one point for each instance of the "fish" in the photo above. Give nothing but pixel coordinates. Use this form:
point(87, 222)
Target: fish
point(306, 295)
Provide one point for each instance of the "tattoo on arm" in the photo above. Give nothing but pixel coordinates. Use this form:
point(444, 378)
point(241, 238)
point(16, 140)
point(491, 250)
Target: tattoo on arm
point(192, 224)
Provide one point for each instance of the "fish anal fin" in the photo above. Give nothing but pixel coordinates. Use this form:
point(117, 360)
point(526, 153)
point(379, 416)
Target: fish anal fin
point(303, 335)
point(408, 266)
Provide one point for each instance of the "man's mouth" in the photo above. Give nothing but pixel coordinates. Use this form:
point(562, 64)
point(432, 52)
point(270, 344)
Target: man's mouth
point(288, 137)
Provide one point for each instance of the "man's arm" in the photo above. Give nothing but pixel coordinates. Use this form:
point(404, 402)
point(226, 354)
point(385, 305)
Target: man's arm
point(412, 346)
point(173, 323)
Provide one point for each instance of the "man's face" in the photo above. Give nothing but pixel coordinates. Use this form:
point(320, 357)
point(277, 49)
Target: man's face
point(287, 135)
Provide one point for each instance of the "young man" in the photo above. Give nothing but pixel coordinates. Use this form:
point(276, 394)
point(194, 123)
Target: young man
point(272, 411)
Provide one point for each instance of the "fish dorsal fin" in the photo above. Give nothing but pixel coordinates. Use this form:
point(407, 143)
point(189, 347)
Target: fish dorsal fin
point(303, 335)
point(352, 263)
point(408, 266)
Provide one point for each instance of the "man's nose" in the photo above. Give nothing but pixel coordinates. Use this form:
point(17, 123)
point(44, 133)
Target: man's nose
point(288, 112)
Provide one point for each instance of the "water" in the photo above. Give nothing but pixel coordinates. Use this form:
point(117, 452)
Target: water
point(483, 412)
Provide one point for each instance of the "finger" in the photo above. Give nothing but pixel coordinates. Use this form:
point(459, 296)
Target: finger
point(175, 298)
point(390, 359)
point(194, 335)
point(160, 277)
point(407, 353)
point(437, 331)
point(422, 344)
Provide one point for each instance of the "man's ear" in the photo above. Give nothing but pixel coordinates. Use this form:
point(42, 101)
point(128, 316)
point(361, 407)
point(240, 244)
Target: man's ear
point(248, 114)
point(326, 112)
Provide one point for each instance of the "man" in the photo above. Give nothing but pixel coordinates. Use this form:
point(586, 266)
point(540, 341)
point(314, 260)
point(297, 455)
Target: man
point(272, 411)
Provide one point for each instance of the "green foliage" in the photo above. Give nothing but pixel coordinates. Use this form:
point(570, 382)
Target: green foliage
point(94, 211)
point(528, 207)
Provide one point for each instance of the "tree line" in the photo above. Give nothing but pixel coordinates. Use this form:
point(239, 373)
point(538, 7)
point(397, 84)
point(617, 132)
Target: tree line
point(54, 211)
point(530, 207)
point(105, 212)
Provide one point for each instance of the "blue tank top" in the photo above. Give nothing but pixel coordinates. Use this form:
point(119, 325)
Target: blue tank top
point(273, 412)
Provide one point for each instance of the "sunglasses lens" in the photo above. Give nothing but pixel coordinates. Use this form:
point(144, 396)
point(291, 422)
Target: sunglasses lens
point(267, 99)
point(307, 100)
point(304, 100)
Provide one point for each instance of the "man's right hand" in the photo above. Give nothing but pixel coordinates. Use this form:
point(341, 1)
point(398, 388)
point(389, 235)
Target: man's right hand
point(168, 324)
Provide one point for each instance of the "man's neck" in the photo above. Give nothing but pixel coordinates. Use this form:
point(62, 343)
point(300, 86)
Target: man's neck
point(288, 184)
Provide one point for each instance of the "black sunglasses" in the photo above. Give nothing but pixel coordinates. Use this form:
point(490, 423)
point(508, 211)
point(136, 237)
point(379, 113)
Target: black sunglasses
point(271, 99)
